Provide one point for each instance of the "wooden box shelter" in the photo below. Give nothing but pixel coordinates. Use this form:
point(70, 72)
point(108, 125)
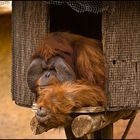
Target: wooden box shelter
point(120, 36)
point(115, 23)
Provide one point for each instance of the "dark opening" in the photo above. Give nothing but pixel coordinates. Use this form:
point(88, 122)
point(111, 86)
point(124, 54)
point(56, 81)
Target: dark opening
point(114, 62)
point(64, 18)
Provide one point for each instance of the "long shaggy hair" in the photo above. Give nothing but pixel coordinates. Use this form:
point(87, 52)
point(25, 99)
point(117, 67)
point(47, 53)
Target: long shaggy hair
point(85, 57)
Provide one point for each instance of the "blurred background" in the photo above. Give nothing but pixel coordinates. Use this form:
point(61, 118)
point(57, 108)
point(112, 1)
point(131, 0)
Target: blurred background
point(15, 120)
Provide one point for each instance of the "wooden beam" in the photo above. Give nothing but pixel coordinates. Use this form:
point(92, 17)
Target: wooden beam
point(105, 133)
point(85, 124)
point(94, 119)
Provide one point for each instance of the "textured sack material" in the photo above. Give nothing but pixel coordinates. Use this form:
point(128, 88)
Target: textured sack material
point(121, 41)
point(29, 20)
point(86, 6)
point(120, 34)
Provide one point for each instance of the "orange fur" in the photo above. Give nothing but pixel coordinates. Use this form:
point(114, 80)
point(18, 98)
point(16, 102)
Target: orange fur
point(85, 56)
point(63, 98)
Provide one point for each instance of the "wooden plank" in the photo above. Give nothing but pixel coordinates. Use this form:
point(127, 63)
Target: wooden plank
point(89, 110)
point(81, 110)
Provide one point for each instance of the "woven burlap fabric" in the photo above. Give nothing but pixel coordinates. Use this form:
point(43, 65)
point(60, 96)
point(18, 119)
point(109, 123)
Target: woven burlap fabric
point(93, 6)
point(121, 39)
point(29, 26)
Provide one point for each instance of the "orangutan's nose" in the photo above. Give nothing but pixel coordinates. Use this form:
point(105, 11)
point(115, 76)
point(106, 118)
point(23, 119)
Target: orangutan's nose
point(41, 111)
